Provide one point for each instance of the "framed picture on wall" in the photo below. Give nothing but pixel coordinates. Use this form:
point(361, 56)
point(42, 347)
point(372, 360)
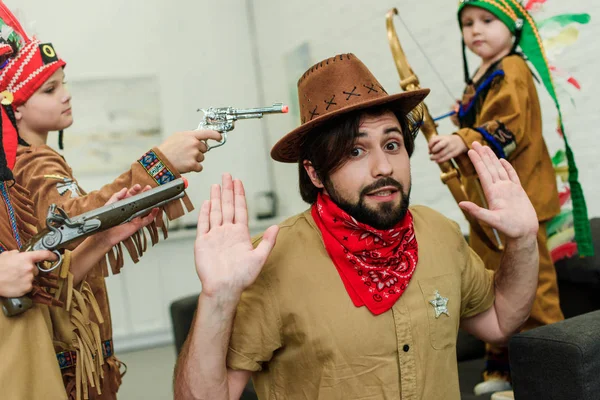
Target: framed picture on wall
point(115, 121)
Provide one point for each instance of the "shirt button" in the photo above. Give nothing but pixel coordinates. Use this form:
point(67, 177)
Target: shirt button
point(406, 348)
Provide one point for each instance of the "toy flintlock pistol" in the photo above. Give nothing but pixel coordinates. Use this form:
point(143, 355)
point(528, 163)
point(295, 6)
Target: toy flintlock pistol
point(61, 230)
point(450, 173)
point(223, 119)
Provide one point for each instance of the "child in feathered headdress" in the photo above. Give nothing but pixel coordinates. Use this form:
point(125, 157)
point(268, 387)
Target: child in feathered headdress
point(500, 107)
point(35, 101)
point(27, 345)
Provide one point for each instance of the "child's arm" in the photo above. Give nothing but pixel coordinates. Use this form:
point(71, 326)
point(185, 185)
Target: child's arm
point(49, 179)
point(502, 121)
point(87, 255)
point(47, 176)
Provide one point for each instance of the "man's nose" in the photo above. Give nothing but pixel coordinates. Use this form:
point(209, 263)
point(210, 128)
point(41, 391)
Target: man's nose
point(381, 165)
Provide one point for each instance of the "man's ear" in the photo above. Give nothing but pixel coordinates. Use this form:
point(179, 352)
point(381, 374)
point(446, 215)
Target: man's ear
point(312, 174)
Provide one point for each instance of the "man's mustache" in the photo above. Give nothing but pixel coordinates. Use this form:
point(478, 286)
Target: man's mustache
point(383, 182)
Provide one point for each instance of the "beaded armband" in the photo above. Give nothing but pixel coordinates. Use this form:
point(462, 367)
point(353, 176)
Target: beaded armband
point(156, 168)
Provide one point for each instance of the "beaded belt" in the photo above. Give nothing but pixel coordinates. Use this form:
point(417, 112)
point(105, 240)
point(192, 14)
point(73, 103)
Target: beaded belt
point(67, 359)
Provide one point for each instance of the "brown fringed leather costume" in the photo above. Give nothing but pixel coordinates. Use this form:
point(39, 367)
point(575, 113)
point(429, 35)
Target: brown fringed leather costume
point(81, 330)
point(503, 111)
point(50, 180)
point(29, 369)
point(505, 114)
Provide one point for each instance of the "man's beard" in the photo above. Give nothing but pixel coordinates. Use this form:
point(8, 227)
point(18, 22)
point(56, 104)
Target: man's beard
point(385, 216)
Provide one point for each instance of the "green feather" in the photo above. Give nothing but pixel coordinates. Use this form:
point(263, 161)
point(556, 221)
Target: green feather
point(559, 223)
point(565, 19)
point(559, 157)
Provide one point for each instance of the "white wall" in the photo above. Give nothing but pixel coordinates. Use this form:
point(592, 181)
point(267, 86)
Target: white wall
point(201, 52)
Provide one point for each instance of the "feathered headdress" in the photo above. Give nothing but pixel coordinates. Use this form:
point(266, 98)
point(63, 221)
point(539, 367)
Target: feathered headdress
point(25, 64)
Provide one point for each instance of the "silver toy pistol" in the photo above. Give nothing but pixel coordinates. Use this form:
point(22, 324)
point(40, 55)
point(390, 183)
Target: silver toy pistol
point(222, 119)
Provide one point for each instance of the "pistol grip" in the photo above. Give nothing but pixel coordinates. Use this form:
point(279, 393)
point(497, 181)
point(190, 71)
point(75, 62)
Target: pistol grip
point(219, 143)
point(16, 305)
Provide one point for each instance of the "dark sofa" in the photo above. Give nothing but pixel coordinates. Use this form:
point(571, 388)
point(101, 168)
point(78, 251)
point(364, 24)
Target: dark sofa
point(579, 286)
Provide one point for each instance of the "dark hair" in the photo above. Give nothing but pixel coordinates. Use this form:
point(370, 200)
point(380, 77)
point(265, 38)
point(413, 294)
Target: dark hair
point(331, 147)
point(5, 173)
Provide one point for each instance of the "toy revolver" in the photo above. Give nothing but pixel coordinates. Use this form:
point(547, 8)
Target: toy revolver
point(223, 119)
point(61, 230)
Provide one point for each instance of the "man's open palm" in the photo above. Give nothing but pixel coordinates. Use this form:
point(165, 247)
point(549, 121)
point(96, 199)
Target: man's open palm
point(226, 261)
point(509, 209)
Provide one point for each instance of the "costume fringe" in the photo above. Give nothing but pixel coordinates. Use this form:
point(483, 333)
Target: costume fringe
point(24, 212)
point(26, 224)
point(137, 244)
point(80, 303)
point(114, 376)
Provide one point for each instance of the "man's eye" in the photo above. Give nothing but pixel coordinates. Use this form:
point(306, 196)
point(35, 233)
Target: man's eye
point(49, 90)
point(356, 152)
point(392, 146)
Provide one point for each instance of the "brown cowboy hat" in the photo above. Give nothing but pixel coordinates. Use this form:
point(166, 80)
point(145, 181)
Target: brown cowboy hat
point(333, 87)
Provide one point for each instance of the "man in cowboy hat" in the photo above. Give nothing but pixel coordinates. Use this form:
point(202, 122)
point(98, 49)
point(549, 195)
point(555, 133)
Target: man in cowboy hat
point(362, 296)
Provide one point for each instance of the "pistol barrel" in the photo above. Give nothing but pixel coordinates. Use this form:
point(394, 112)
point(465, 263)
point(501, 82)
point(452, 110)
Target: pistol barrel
point(275, 108)
point(124, 210)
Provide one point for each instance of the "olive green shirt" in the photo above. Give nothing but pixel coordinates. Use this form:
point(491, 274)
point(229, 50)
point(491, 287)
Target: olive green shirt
point(300, 333)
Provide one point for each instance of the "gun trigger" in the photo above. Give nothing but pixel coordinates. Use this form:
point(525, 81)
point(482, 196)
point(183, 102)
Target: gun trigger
point(219, 143)
point(90, 225)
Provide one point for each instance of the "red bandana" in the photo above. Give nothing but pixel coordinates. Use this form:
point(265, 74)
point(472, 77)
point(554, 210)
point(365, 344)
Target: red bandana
point(375, 266)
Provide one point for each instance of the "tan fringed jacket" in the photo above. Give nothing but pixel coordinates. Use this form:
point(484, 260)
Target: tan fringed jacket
point(50, 180)
point(503, 111)
point(28, 369)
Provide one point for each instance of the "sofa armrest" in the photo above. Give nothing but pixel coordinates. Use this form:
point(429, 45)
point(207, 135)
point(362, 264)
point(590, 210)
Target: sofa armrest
point(558, 361)
point(182, 315)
